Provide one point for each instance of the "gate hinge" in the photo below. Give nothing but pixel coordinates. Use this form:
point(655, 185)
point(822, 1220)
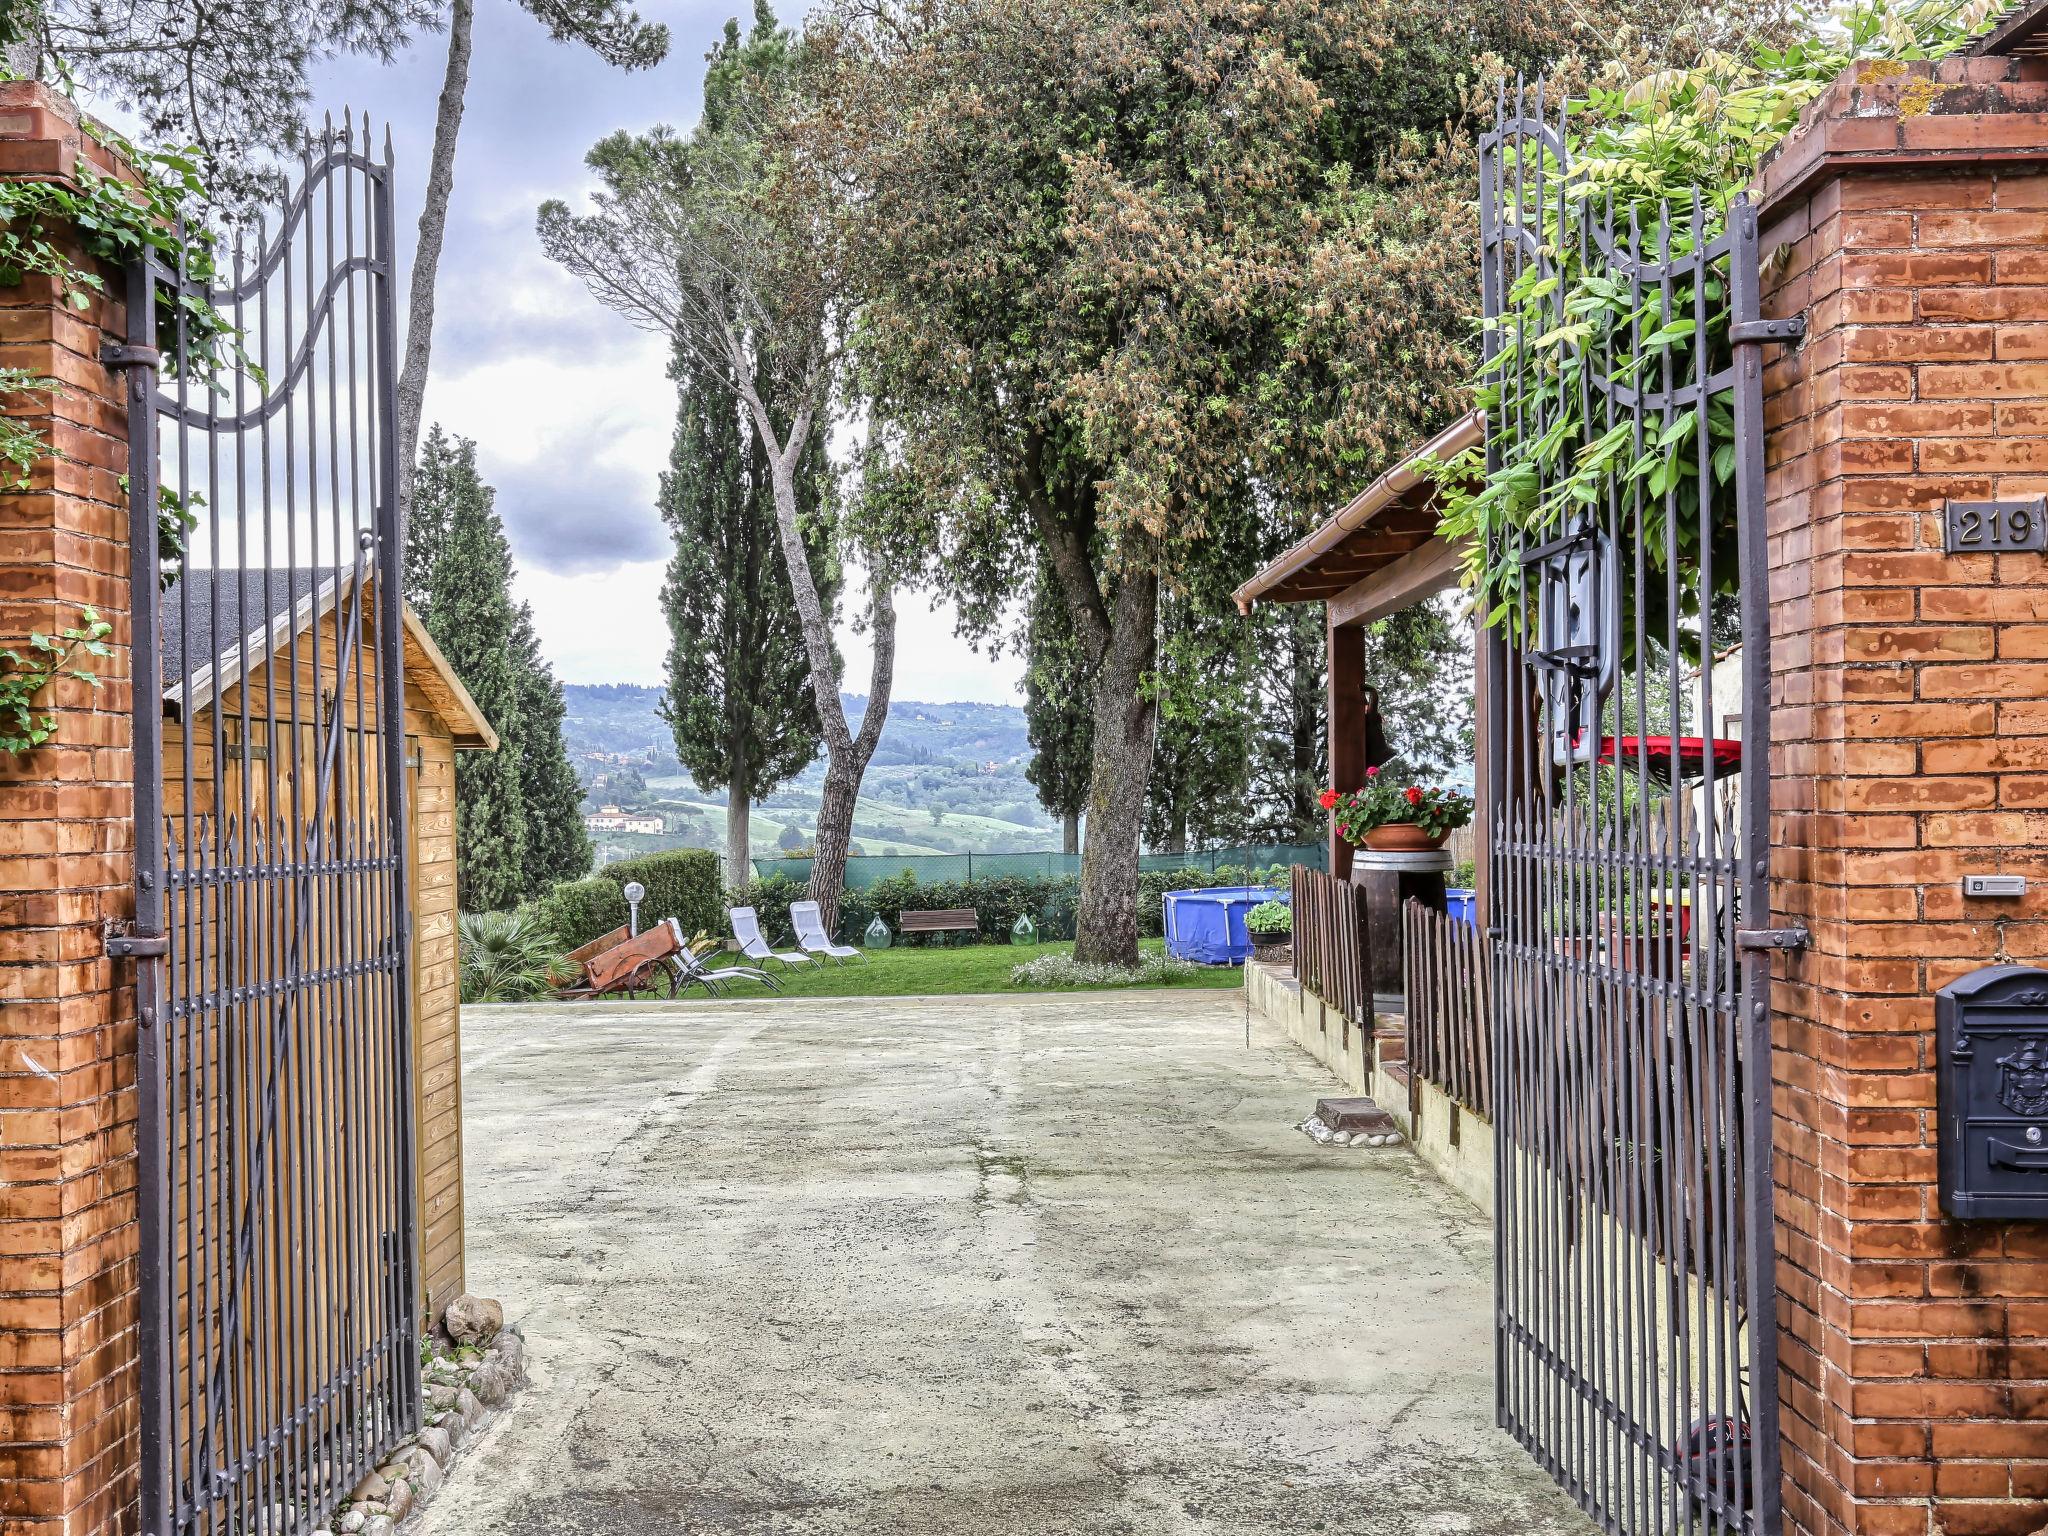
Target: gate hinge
point(138, 946)
point(1792, 328)
point(120, 354)
point(1772, 938)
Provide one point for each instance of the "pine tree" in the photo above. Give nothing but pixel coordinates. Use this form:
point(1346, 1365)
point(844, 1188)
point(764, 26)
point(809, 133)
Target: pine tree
point(1200, 780)
point(1058, 710)
point(1292, 755)
point(738, 696)
point(557, 847)
point(466, 604)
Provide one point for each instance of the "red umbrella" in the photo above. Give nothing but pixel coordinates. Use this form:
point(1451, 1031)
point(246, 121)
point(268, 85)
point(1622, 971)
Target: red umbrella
point(1668, 759)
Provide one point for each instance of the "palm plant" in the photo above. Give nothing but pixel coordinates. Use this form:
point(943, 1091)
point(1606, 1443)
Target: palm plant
point(505, 957)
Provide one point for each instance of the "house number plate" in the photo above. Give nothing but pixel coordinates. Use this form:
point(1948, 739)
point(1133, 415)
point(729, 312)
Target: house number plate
point(1977, 527)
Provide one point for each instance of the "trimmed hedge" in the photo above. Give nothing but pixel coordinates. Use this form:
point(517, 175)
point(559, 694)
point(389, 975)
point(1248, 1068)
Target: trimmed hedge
point(577, 911)
point(683, 884)
point(997, 900)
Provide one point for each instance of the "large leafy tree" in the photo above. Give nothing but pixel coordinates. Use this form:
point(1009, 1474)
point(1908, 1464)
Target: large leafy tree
point(1134, 269)
point(1057, 713)
point(733, 247)
point(467, 607)
point(737, 694)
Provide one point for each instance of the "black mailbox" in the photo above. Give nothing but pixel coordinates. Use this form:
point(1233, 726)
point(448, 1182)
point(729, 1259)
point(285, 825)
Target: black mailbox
point(1992, 1092)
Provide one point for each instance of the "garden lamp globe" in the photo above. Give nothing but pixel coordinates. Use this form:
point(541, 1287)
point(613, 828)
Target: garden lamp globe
point(635, 893)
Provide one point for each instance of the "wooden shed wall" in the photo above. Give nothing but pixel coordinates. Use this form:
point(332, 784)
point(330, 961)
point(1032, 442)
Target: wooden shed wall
point(431, 789)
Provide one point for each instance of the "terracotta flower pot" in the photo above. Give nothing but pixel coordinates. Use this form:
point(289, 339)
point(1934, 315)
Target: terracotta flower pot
point(1403, 837)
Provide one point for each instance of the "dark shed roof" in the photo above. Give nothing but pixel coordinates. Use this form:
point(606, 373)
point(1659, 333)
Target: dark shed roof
point(218, 623)
point(209, 614)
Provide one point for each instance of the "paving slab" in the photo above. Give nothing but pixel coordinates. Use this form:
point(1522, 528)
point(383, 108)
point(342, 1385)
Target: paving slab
point(1014, 1265)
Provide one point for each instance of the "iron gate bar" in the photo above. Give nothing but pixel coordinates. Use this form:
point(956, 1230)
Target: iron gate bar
point(1635, 1342)
point(279, 1257)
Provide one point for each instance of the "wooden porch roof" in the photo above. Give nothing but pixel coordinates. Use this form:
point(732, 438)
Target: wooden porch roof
point(1389, 524)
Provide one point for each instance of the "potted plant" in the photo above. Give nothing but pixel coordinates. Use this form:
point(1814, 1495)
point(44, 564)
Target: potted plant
point(1270, 924)
point(1392, 817)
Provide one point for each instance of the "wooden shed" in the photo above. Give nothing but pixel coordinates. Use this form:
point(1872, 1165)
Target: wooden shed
point(234, 719)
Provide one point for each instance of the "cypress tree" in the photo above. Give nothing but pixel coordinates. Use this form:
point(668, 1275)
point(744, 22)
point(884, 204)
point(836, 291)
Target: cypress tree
point(738, 696)
point(466, 604)
point(557, 847)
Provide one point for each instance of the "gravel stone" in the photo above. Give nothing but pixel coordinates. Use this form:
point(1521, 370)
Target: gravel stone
point(473, 1319)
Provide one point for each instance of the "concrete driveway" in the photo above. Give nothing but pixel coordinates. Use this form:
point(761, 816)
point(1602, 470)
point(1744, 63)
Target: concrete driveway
point(1023, 1266)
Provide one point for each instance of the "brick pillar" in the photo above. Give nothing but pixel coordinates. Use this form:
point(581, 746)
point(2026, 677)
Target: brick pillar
point(1910, 747)
point(69, 1433)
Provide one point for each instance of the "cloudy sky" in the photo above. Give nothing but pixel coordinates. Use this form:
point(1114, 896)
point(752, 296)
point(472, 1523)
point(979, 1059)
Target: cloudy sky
point(569, 404)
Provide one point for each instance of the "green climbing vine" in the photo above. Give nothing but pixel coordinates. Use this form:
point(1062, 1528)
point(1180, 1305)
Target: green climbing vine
point(25, 673)
point(1658, 161)
point(113, 221)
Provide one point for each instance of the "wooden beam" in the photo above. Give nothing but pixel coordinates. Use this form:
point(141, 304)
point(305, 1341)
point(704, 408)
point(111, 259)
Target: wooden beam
point(1346, 702)
point(1399, 584)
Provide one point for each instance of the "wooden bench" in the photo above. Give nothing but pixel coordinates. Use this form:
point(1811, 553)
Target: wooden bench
point(944, 920)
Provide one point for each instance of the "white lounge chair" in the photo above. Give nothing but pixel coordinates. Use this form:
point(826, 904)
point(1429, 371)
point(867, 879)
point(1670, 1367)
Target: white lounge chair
point(746, 929)
point(811, 937)
point(688, 970)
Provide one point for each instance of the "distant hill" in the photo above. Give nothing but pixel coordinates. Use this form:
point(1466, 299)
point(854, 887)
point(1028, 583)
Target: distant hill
point(622, 718)
point(946, 778)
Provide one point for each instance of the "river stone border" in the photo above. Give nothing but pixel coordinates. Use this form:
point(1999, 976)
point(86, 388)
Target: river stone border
point(465, 1382)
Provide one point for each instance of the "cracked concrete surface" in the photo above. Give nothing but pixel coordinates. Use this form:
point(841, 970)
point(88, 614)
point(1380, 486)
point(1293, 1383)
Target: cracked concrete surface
point(1019, 1266)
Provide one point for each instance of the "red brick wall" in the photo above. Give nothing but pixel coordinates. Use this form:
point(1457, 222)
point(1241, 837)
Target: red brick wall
point(1910, 746)
point(68, 1238)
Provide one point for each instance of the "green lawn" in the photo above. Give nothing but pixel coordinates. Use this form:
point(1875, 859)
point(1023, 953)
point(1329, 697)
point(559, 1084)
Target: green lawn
point(932, 971)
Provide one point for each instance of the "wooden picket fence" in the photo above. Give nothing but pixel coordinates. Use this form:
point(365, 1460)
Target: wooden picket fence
point(1329, 942)
point(1448, 965)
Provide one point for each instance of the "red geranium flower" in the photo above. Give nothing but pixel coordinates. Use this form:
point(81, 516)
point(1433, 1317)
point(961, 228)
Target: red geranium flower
point(1414, 795)
point(1327, 798)
point(1373, 772)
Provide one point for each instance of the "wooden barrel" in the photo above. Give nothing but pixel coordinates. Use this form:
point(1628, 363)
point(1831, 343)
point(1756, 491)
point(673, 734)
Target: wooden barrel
point(1385, 881)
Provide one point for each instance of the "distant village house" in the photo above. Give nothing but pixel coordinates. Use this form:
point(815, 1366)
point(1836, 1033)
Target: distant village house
point(609, 818)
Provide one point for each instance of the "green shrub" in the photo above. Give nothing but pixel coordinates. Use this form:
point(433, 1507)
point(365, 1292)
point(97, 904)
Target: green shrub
point(504, 957)
point(1063, 970)
point(683, 884)
point(1270, 917)
point(770, 897)
point(577, 911)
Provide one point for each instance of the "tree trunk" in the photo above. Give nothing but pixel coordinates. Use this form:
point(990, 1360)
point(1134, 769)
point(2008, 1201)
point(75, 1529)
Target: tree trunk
point(739, 856)
point(835, 833)
point(1070, 832)
point(846, 752)
point(426, 256)
point(1177, 835)
point(1106, 927)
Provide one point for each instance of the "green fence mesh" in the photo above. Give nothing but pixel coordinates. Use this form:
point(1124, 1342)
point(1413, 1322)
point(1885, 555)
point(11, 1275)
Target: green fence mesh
point(930, 868)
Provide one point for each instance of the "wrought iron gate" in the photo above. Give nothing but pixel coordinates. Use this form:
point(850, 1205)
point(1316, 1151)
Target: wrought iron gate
point(280, 1323)
point(1627, 756)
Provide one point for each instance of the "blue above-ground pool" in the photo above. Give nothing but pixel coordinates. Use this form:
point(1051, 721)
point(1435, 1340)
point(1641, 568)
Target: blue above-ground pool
point(1208, 926)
